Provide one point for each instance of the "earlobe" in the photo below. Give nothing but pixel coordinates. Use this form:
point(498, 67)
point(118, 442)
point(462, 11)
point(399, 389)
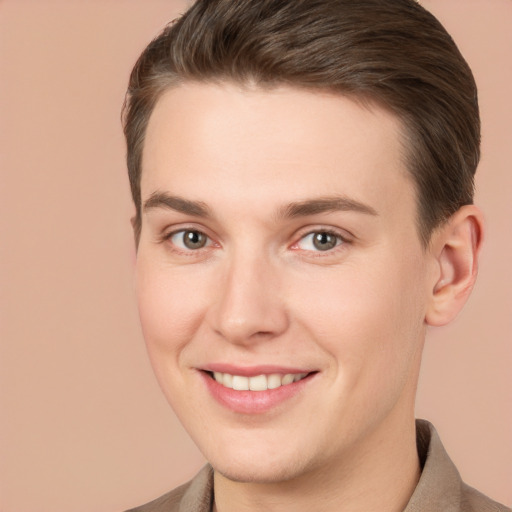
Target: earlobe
point(455, 247)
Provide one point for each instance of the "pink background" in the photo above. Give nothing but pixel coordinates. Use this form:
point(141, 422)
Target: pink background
point(84, 426)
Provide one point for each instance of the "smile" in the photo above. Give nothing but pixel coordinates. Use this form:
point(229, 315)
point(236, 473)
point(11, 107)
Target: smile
point(258, 382)
point(261, 390)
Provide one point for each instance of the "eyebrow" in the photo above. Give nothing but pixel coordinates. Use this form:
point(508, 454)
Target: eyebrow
point(186, 206)
point(324, 205)
point(290, 211)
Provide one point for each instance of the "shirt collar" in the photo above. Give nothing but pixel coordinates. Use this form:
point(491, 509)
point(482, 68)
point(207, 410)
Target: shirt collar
point(199, 495)
point(439, 487)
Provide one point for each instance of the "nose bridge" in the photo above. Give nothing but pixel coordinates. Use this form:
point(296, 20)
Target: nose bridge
point(249, 305)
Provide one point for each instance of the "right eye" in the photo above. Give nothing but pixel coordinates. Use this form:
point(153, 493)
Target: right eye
point(320, 240)
point(189, 239)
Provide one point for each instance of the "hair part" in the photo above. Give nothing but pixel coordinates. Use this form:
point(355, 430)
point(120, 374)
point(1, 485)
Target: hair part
point(392, 53)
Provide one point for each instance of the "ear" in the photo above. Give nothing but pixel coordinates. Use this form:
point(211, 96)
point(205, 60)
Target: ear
point(455, 247)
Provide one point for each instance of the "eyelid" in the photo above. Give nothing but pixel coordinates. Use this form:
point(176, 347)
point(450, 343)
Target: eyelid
point(167, 235)
point(344, 237)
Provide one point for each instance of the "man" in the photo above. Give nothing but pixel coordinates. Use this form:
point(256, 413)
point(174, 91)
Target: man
point(302, 173)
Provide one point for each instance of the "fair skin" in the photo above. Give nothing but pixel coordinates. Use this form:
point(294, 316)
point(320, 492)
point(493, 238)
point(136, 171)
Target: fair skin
point(279, 238)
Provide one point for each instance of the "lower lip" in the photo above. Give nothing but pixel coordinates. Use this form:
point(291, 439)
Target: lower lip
point(253, 402)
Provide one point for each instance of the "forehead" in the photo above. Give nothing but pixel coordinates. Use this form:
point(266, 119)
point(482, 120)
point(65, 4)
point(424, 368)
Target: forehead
point(305, 143)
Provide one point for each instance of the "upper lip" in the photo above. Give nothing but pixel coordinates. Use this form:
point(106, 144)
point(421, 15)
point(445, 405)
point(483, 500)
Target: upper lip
point(252, 371)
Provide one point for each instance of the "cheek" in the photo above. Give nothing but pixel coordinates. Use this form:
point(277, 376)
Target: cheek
point(170, 310)
point(368, 317)
point(170, 306)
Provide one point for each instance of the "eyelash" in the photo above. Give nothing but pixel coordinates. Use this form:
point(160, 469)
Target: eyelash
point(341, 241)
point(187, 252)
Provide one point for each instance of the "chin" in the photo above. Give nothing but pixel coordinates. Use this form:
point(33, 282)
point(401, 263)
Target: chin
point(259, 469)
point(256, 475)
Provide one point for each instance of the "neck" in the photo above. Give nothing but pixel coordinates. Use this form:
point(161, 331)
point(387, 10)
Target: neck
point(381, 476)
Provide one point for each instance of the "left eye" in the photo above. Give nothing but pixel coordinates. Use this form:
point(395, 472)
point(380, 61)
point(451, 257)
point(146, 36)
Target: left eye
point(189, 239)
point(319, 241)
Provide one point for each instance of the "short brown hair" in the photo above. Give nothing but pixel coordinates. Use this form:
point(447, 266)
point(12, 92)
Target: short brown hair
point(390, 52)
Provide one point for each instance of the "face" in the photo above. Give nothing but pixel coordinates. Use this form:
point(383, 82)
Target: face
point(281, 282)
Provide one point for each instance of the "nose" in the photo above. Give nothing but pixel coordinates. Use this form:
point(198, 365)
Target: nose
point(249, 307)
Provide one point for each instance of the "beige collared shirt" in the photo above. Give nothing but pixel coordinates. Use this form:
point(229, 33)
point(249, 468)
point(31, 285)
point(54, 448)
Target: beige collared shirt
point(440, 488)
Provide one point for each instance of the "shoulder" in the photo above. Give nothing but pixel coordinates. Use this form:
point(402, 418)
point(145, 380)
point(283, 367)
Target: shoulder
point(440, 486)
point(474, 501)
point(194, 496)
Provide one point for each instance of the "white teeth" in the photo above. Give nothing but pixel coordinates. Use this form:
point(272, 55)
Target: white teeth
point(227, 380)
point(240, 383)
point(274, 381)
point(287, 379)
point(257, 383)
